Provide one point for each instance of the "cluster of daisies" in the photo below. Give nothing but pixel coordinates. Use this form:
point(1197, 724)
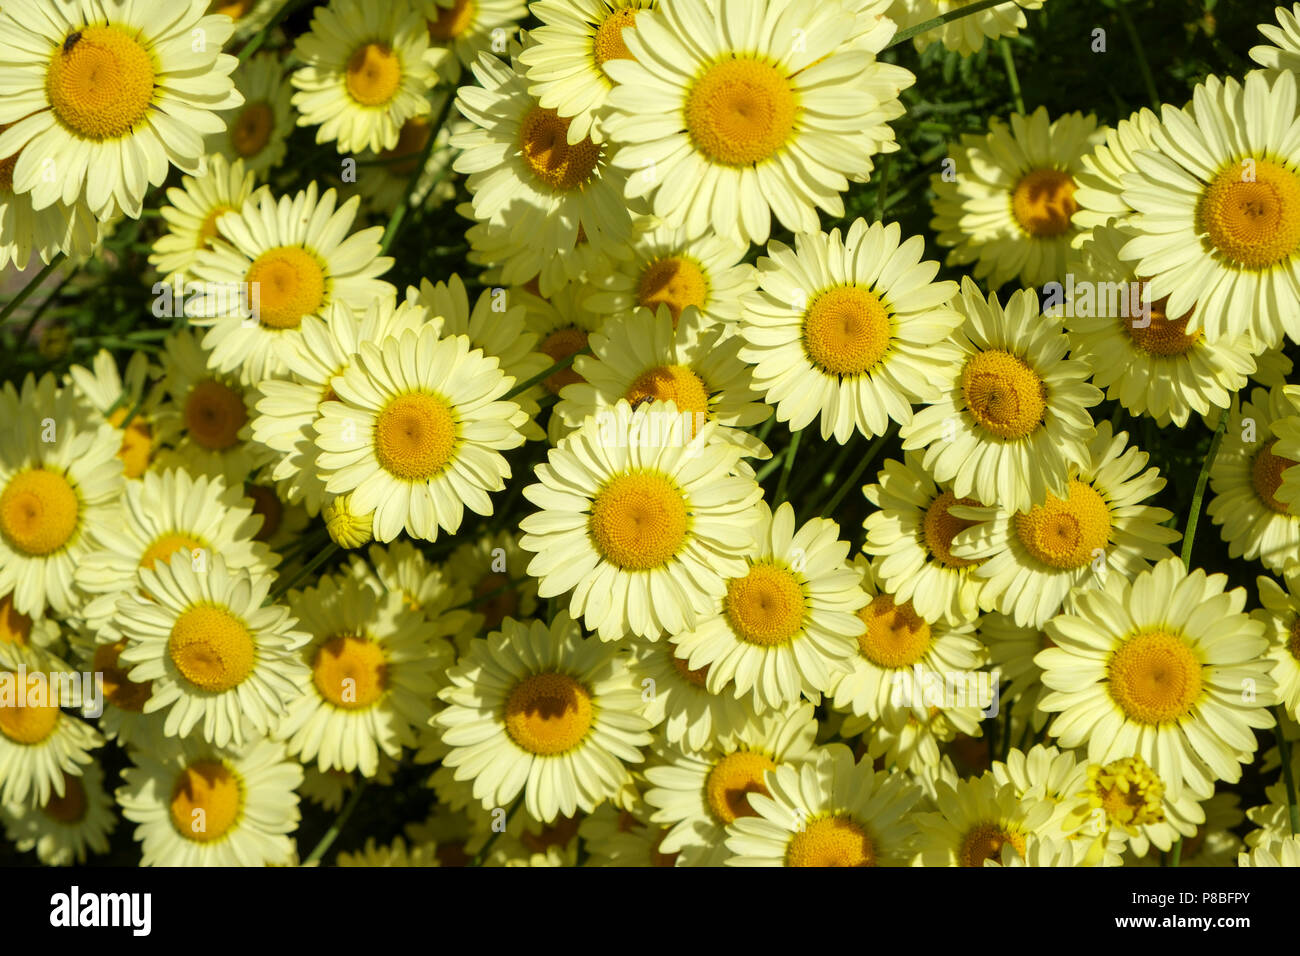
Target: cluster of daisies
point(244, 561)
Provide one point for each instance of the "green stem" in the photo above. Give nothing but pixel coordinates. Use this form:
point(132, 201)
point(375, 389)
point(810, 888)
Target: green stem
point(1148, 80)
point(1012, 77)
point(336, 827)
point(541, 376)
point(787, 466)
point(1194, 515)
point(1288, 776)
point(280, 590)
point(902, 36)
point(399, 214)
point(25, 293)
point(1176, 854)
point(858, 469)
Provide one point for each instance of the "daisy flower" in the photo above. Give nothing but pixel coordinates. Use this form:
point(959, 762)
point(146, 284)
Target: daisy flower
point(217, 658)
point(850, 330)
point(273, 264)
point(697, 795)
point(1011, 420)
point(114, 395)
point(1099, 182)
point(1032, 560)
point(468, 29)
point(1140, 354)
point(786, 624)
point(366, 70)
point(164, 513)
point(1156, 668)
point(123, 719)
point(63, 829)
point(1245, 477)
point(47, 231)
point(1007, 203)
point(1286, 429)
point(898, 652)
point(193, 212)
point(1218, 208)
point(668, 267)
point(255, 131)
point(658, 357)
point(967, 34)
point(681, 706)
point(203, 427)
point(975, 820)
point(372, 660)
point(524, 174)
point(828, 812)
point(198, 805)
point(643, 526)
point(566, 59)
point(287, 408)
point(724, 115)
point(546, 712)
point(417, 431)
point(616, 837)
point(59, 480)
point(112, 94)
point(40, 745)
point(911, 534)
point(563, 326)
point(1281, 618)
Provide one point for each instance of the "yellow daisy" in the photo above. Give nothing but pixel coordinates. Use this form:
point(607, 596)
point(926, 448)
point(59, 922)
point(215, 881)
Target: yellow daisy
point(1284, 53)
point(1015, 415)
point(114, 395)
point(850, 330)
point(786, 624)
point(831, 812)
point(1281, 617)
point(64, 829)
point(468, 29)
point(217, 659)
point(1245, 478)
point(59, 479)
point(1156, 668)
point(1007, 203)
point(641, 522)
point(724, 116)
point(40, 745)
point(112, 95)
point(976, 819)
point(367, 69)
point(193, 212)
point(1030, 561)
point(272, 264)
point(1218, 209)
point(417, 431)
point(544, 712)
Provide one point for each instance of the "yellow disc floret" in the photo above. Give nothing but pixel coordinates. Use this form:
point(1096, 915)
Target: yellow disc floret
point(1066, 533)
point(1043, 202)
point(740, 111)
point(846, 330)
point(39, 512)
point(350, 672)
point(207, 801)
point(1003, 394)
point(639, 521)
point(415, 436)
point(548, 714)
point(766, 607)
point(1250, 212)
point(1155, 678)
point(101, 82)
point(212, 648)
